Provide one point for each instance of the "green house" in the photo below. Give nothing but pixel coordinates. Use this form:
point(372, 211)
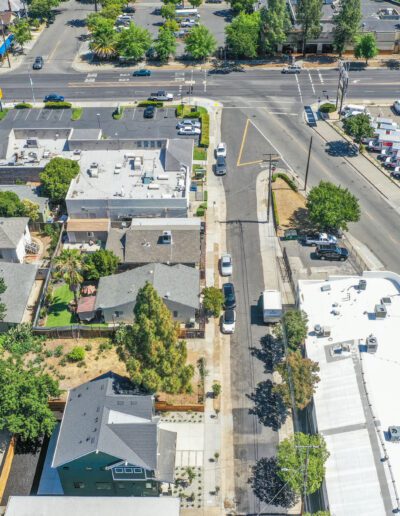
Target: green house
point(110, 442)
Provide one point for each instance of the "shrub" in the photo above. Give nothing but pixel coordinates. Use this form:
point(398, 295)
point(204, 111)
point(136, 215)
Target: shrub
point(77, 354)
point(88, 347)
point(146, 103)
point(275, 208)
point(57, 105)
point(200, 211)
point(205, 130)
point(118, 113)
point(287, 180)
point(216, 388)
point(76, 113)
point(3, 113)
point(23, 105)
point(327, 108)
point(58, 351)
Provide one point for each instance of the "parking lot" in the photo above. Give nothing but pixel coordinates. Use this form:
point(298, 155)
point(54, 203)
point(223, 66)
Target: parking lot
point(132, 124)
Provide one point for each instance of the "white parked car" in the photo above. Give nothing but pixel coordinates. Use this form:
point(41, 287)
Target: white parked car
point(228, 321)
point(189, 23)
point(188, 122)
point(189, 130)
point(221, 150)
point(396, 106)
point(226, 265)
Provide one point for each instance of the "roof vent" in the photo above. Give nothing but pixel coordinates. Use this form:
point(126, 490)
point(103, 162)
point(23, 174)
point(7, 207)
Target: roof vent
point(386, 301)
point(167, 294)
point(380, 311)
point(325, 288)
point(394, 433)
point(362, 285)
point(166, 237)
point(372, 344)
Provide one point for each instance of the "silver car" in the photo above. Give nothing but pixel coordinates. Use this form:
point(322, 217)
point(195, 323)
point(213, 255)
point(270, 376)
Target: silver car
point(188, 122)
point(226, 265)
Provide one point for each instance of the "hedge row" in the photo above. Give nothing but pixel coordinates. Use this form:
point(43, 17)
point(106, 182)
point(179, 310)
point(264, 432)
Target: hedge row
point(23, 105)
point(57, 105)
point(205, 130)
point(275, 209)
point(327, 108)
point(285, 178)
point(146, 103)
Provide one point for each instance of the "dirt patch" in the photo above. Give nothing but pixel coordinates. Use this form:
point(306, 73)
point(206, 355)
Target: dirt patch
point(290, 206)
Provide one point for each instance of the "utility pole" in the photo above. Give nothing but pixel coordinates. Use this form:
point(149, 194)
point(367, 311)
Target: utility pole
point(343, 84)
point(305, 471)
point(271, 158)
point(308, 164)
point(5, 44)
point(95, 5)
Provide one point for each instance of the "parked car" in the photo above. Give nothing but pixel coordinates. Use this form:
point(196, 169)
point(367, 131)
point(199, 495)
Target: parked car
point(220, 166)
point(38, 63)
point(229, 295)
point(291, 69)
point(228, 322)
point(142, 73)
point(149, 112)
point(53, 97)
point(226, 265)
point(396, 106)
point(180, 33)
point(319, 239)
point(188, 23)
point(395, 173)
point(213, 1)
point(191, 131)
point(188, 122)
point(128, 9)
point(162, 96)
point(390, 161)
point(221, 150)
point(328, 252)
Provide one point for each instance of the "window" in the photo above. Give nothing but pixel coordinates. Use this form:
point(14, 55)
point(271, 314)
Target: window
point(128, 470)
point(119, 470)
point(90, 234)
point(104, 486)
point(79, 485)
point(118, 313)
point(175, 313)
point(148, 485)
point(137, 470)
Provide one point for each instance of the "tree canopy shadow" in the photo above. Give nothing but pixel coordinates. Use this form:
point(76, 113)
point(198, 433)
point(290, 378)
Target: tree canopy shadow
point(269, 406)
point(271, 352)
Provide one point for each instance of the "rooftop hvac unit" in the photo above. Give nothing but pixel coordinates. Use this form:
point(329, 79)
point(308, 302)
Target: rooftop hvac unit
point(322, 331)
point(362, 284)
point(94, 172)
point(372, 344)
point(166, 237)
point(325, 288)
point(117, 168)
point(32, 143)
point(380, 311)
point(394, 434)
point(386, 301)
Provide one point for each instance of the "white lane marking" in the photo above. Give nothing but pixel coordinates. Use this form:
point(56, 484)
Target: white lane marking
point(91, 77)
point(133, 114)
point(320, 76)
point(123, 80)
point(28, 113)
point(298, 87)
point(312, 84)
point(90, 80)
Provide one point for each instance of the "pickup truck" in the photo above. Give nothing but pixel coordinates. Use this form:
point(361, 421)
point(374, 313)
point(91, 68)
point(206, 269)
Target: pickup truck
point(319, 239)
point(161, 95)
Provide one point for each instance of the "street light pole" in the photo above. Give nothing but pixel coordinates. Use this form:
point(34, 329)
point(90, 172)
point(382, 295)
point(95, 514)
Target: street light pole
point(98, 120)
point(271, 158)
point(5, 45)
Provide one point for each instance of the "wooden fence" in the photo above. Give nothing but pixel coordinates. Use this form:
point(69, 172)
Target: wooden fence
point(160, 406)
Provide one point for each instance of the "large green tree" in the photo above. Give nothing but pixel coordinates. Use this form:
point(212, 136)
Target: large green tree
point(301, 462)
point(275, 25)
point(24, 395)
point(239, 6)
point(22, 32)
point(213, 300)
point(346, 23)
point(242, 35)
point(155, 357)
point(168, 11)
point(57, 176)
point(302, 375)
point(69, 267)
point(165, 44)
point(133, 42)
point(103, 37)
point(10, 205)
point(3, 308)
point(309, 13)
point(366, 47)
point(358, 126)
point(99, 264)
point(331, 207)
point(200, 43)
point(41, 9)
point(296, 328)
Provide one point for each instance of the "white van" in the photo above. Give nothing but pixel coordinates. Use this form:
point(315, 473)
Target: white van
point(272, 306)
point(187, 13)
point(353, 107)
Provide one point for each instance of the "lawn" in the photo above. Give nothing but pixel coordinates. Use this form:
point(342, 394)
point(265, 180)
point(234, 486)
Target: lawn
point(58, 314)
point(200, 154)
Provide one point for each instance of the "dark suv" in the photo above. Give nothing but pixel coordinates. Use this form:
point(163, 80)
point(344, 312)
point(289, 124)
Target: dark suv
point(330, 252)
point(229, 295)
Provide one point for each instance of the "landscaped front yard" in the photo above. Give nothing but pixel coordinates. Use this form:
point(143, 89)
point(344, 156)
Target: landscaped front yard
point(58, 313)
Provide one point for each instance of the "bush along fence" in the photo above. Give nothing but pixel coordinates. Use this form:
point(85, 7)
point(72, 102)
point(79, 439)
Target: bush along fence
point(288, 180)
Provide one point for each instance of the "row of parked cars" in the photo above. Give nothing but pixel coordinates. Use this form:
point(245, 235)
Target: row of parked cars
point(326, 246)
point(228, 320)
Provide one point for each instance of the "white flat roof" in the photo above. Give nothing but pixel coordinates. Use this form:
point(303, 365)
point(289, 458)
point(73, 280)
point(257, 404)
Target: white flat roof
point(91, 506)
point(357, 480)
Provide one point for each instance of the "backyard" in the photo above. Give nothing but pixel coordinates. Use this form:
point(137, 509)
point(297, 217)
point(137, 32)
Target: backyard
point(59, 313)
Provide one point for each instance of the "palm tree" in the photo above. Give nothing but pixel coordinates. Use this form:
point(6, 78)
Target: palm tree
point(69, 267)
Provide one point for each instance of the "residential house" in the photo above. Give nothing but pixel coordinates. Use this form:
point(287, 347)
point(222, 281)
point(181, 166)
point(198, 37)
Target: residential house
point(177, 285)
point(91, 506)
point(87, 230)
point(32, 194)
point(169, 241)
point(110, 443)
point(17, 7)
point(19, 279)
point(14, 238)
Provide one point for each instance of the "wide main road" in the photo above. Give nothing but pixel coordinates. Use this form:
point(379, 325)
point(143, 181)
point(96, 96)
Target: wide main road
point(250, 84)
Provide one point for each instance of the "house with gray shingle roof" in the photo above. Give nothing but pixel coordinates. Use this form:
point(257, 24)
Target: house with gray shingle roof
point(110, 442)
point(14, 237)
point(177, 285)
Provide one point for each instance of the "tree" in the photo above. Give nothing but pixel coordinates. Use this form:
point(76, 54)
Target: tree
point(301, 373)
point(133, 42)
point(296, 329)
point(21, 31)
point(10, 205)
point(103, 38)
point(238, 6)
point(3, 308)
point(20, 340)
point(168, 11)
point(195, 3)
point(318, 513)
point(111, 11)
point(309, 13)
point(213, 300)
point(24, 395)
point(242, 35)
point(366, 47)
point(99, 264)
point(31, 209)
point(69, 267)
point(77, 354)
point(275, 25)
point(171, 25)
point(42, 8)
point(346, 23)
point(301, 459)
point(269, 487)
point(331, 207)
point(165, 44)
point(57, 176)
point(358, 126)
point(200, 43)
point(270, 407)
point(155, 357)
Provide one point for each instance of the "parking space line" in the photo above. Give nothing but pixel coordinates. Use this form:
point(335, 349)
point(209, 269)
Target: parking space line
point(133, 113)
point(298, 87)
point(61, 115)
point(28, 113)
point(312, 84)
point(17, 112)
point(40, 111)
